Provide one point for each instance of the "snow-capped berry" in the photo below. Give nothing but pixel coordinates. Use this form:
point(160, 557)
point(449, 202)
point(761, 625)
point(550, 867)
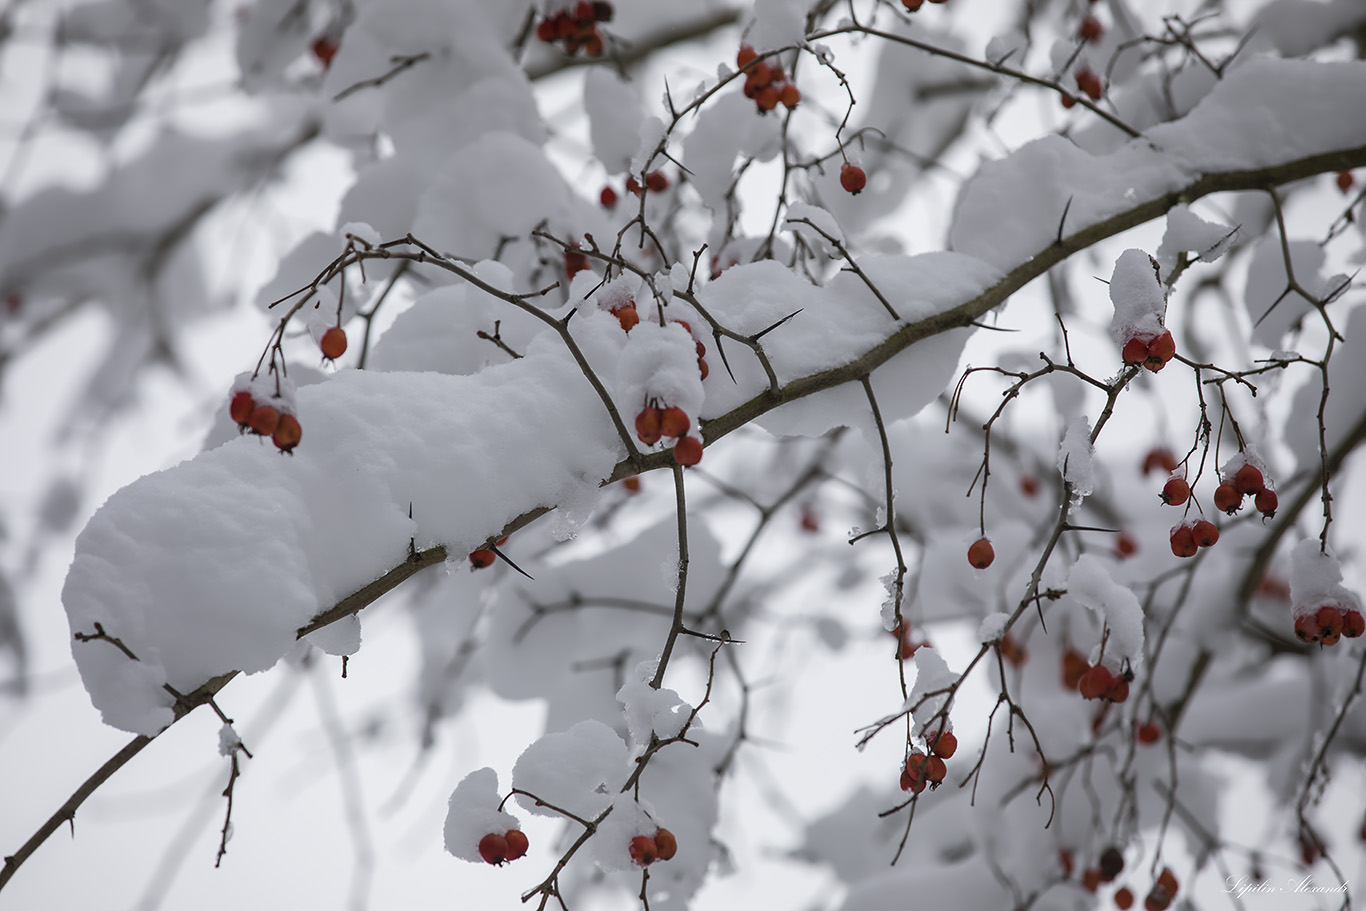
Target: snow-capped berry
point(647, 425)
point(493, 848)
point(627, 316)
point(981, 553)
point(644, 851)
point(1266, 502)
point(665, 844)
point(1205, 533)
point(1135, 351)
point(1306, 629)
point(853, 179)
point(942, 744)
point(688, 451)
point(263, 420)
point(1353, 624)
point(1096, 682)
point(673, 422)
point(1183, 541)
point(1248, 480)
point(482, 557)
point(517, 843)
point(1175, 492)
point(1227, 498)
point(287, 433)
point(333, 343)
point(241, 407)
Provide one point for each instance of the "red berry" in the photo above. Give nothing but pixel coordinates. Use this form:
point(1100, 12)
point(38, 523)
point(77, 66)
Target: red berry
point(547, 31)
point(766, 99)
point(627, 316)
point(1175, 492)
point(1205, 533)
point(790, 96)
point(1135, 351)
point(632, 185)
point(1117, 692)
point(943, 745)
point(1345, 181)
point(1090, 879)
point(760, 75)
point(1167, 880)
point(644, 851)
point(1328, 622)
point(1091, 29)
point(583, 11)
point(1160, 350)
point(1227, 498)
point(264, 420)
point(746, 56)
point(482, 558)
point(810, 522)
point(981, 553)
point(517, 843)
point(1066, 862)
point(1353, 624)
point(1074, 667)
point(632, 484)
point(1183, 541)
point(656, 182)
point(1013, 652)
point(702, 368)
point(1067, 101)
point(666, 844)
point(912, 5)
point(333, 343)
point(647, 425)
point(241, 407)
point(1090, 83)
point(853, 179)
point(493, 848)
point(1147, 733)
point(1248, 480)
point(574, 263)
point(1124, 899)
point(1029, 486)
point(603, 11)
point(935, 770)
point(1266, 502)
point(324, 49)
point(1306, 629)
point(915, 775)
point(673, 422)
point(1125, 546)
point(1096, 682)
point(287, 433)
point(608, 198)
point(688, 451)
point(1164, 459)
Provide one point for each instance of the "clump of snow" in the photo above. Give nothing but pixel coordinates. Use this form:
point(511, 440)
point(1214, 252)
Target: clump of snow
point(992, 627)
point(649, 710)
point(1008, 48)
point(1248, 456)
point(1272, 308)
point(725, 129)
point(228, 741)
point(579, 770)
point(473, 813)
point(614, 118)
point(1115, 605)
point(1187, 233)
point(362, 232)
point(932, 673)
point(776, 23)
point(1138, 296)
point(821, 219)
point(1077, 458)
point(659, 366)
point(651, 135)
point(1316, 581)
point(610, 846)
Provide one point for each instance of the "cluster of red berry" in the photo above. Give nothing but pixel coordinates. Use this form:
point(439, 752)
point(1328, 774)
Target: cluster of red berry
point(1329, 624)
point(499, 849)
point(655, 182)
point(921, 769)
point(914, 5)
point(766, 82)
point(1188, 537)
point(1246, 481)
point(646, 849)
point(275, 419)
point(577, 28)
point(1097, 682)
point(654, 423)
point(1152, 352)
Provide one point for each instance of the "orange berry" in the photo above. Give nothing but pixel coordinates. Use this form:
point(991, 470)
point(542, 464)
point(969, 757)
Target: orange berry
point(1125, 546)
point(647, 425)
point(1353, 624)
point(1090, 879)
point(1029, 486)
point(333, 343)
point(912, 5)
point(1159, 458)
point(263, 420)
point(746, 56)
point(1013, 652)
point(1111, 863)
point(1147, 733)
point(853, 179)
point(790, 96)
point(324, 49)
point(1074, 667)
point(241, 407)
point(1160, 350)
point(702, 368)
point(1117, 691)
point(766, 98)
point(1328, 621)
point(627, 316)
point(493, 848)
point(981, 553)
point(1090, 83)
point(674, 422)
point(632, 484)
point(666, 844)
point(287, 433)
point(644, 851)
point(688, 451)
point(1306, 629)
point(1167, 880)
point(517, 843)
point(943, 745)
point(482, 558)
